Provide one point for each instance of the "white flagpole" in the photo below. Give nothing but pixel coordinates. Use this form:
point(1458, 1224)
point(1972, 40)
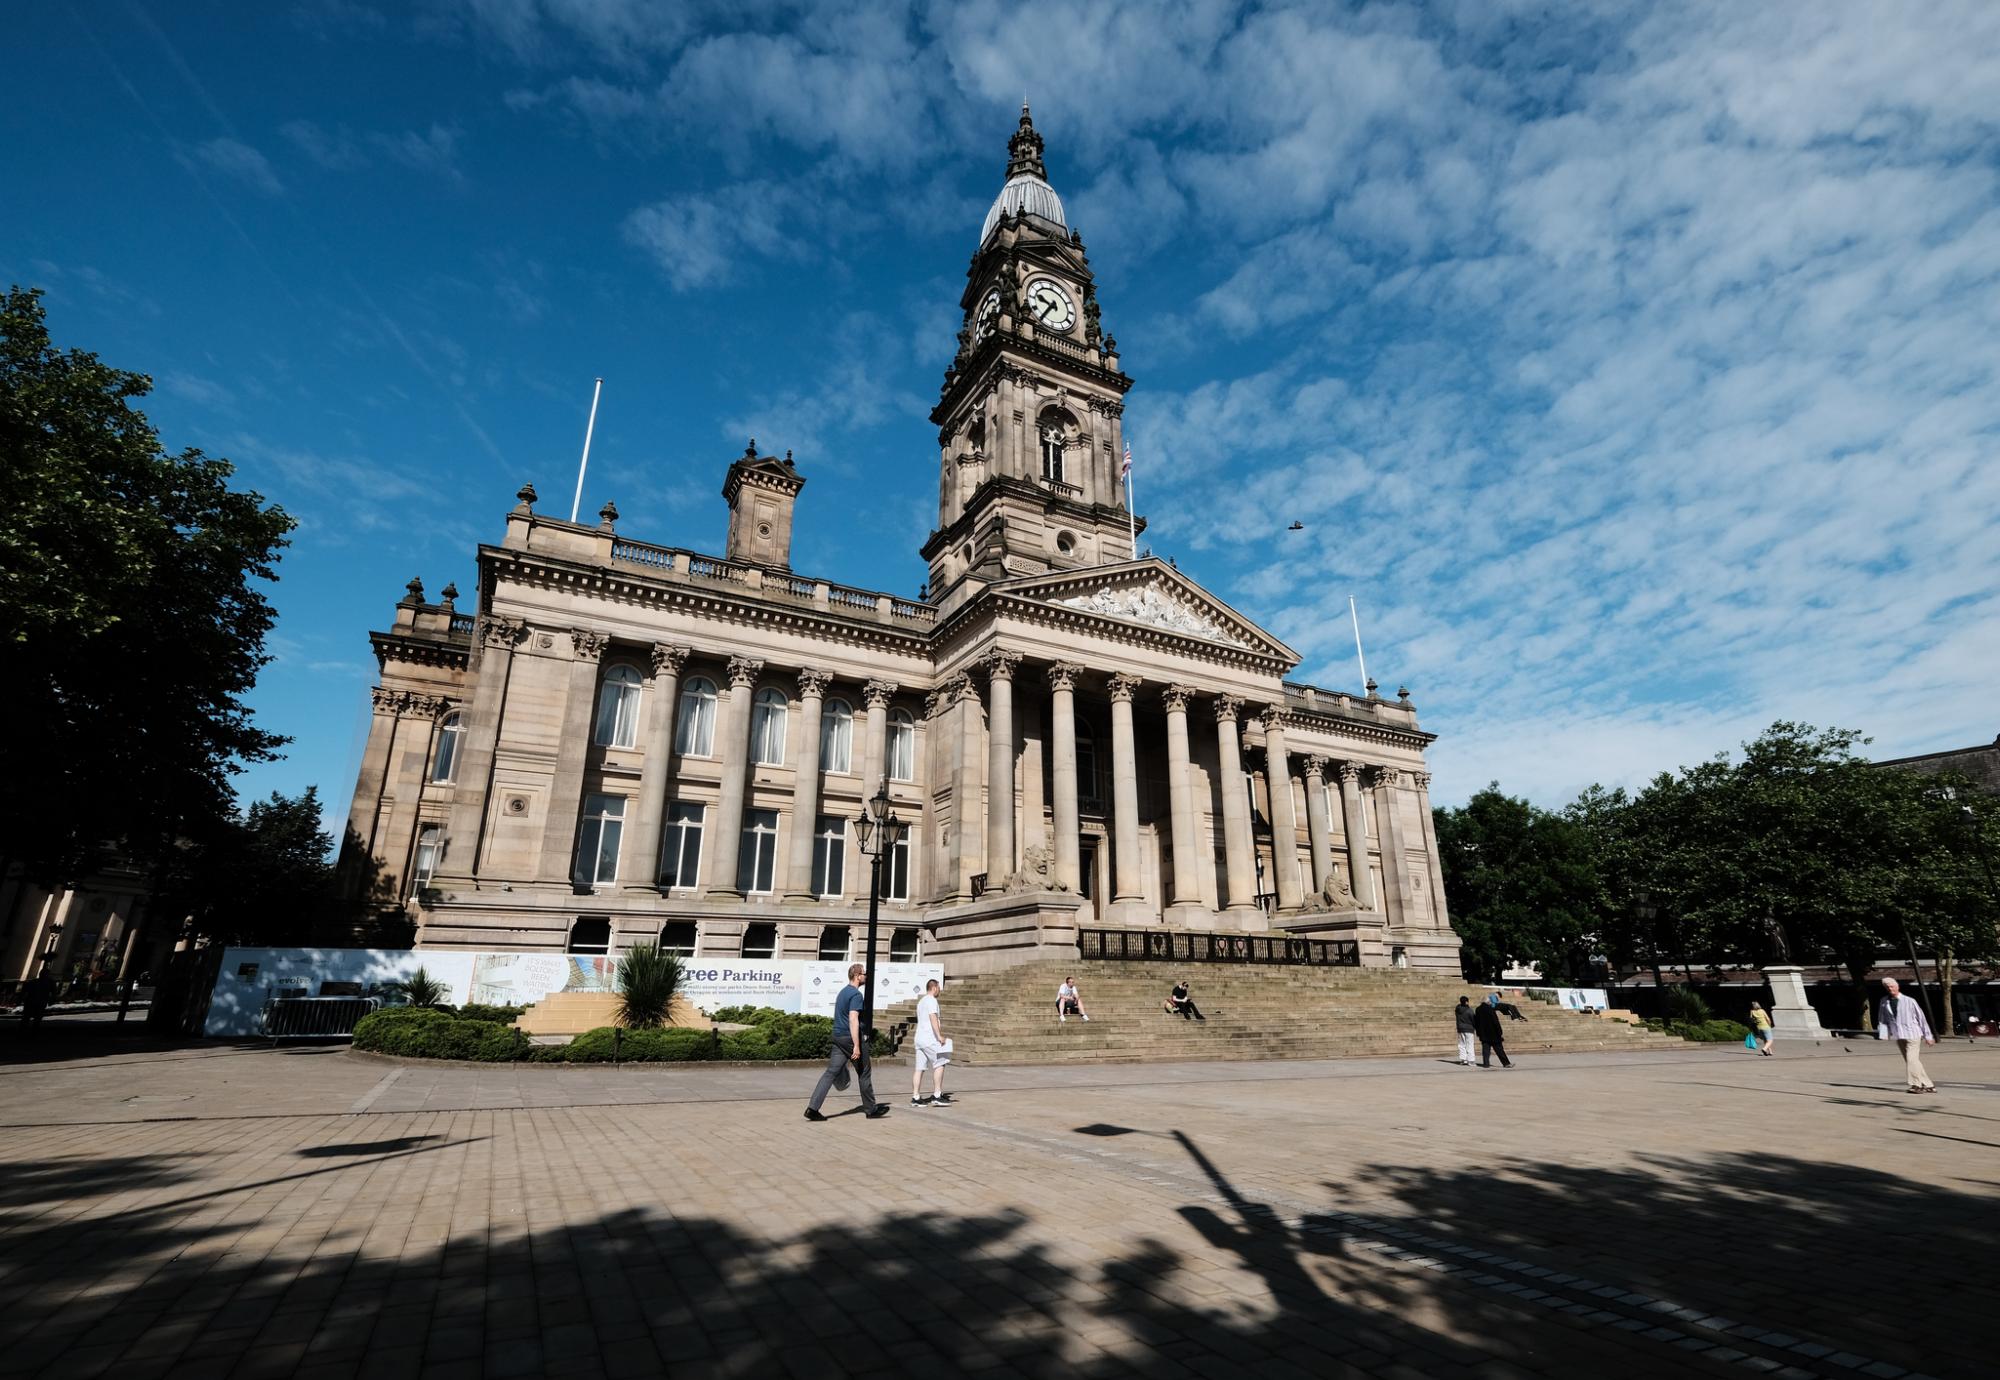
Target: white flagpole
point(1131, 513)
point(1356, 616)
point(589, 427)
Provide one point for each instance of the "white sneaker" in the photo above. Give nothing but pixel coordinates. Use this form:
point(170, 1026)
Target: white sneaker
point(1063, 1019)
point(1086, 1018)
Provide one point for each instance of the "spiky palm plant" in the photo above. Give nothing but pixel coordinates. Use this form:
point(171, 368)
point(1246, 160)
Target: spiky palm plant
point(419, 989)
point(648, 979)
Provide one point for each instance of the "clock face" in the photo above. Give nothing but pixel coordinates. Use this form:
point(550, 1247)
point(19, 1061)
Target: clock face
point(1049, 306)
point(982, 324)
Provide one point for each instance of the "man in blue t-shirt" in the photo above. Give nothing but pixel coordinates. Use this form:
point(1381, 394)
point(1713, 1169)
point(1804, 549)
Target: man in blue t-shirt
point(849, 1046)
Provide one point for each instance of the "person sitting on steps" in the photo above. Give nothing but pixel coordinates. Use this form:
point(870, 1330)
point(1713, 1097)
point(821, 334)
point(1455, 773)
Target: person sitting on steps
point(1069, 1001)
point(1179, 1003)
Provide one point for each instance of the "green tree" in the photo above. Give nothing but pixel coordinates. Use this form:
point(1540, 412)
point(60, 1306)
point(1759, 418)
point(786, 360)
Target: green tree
point(263, 879)
point(129, 610)
point(1521, 885)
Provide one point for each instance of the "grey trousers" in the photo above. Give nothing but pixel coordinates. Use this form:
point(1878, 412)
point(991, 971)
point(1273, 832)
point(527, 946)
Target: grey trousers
point(837, 1059)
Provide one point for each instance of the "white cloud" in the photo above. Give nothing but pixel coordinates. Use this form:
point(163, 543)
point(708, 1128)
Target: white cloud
point(234, 159)
point(697, 238)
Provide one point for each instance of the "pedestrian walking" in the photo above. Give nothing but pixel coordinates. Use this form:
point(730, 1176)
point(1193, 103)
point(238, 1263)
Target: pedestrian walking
point(1902, 1019)
point(849, 1047)
point(933, 1050)
point(1069, 1001)
point(1760, 1026)
point(35, 994)
point(1462, 1015)
point(1492, 1039)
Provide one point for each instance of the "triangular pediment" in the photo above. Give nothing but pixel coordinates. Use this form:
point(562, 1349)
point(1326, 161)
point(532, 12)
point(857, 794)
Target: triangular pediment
point(1151, 594)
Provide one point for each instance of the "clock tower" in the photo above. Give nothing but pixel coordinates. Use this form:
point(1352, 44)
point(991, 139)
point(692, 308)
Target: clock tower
point(1031, 416)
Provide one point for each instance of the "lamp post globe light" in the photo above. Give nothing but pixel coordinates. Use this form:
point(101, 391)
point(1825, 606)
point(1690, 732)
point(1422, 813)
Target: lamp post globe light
point(880, 831)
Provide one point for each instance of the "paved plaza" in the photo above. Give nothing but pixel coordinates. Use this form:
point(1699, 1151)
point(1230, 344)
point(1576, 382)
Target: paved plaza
point(244, 1211)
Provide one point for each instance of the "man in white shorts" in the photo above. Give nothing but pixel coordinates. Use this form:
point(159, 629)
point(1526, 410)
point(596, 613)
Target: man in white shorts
point(1068, 999)
point(931, 1052)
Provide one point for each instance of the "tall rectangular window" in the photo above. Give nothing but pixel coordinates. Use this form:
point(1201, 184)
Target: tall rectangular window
point(896, 871)
point(426, 862)
point(597, 841)
point(830, 856)
point(680, 849)
point(756, 860)
point(902, 746)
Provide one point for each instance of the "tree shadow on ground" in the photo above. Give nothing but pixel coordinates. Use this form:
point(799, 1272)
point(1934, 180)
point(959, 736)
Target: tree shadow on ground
point(361, 1272)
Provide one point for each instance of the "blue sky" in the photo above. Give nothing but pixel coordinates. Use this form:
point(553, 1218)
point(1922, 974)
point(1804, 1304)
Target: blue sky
point(1633, 366)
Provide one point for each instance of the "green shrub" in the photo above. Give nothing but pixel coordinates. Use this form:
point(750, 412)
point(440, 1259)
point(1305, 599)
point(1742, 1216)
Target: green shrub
point(1685, 1005)
point(749, 1015)
point(476, 1011)
point(1713, 1031)
point(648, 978)
point(423, 1033)
point(668, 1046)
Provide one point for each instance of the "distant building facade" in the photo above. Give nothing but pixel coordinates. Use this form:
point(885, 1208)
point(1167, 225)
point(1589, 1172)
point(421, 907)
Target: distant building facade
point(1980, 765)
point(626, 742)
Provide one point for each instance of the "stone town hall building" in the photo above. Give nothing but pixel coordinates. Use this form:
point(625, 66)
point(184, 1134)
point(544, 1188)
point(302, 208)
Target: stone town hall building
point(630, 742)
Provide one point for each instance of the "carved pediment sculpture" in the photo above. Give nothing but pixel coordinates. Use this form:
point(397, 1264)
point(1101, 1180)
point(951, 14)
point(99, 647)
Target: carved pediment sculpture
point(1148, 604)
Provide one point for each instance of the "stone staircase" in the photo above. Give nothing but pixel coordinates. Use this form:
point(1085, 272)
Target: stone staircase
point(1254, 1012)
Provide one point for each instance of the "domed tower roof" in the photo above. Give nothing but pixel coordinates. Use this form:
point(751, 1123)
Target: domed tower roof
point(1027, 188)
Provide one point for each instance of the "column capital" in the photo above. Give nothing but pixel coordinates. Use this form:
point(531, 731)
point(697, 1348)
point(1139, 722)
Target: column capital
point(812, 683)
point(588, 645)
point(999, 664)
point(1122, 686)
point(1063, 674)
point(1271, 719)
point(1347, 773)
point(1316, 767)
point(1422, 779)
point(386, 700)
point(496, 631)
point(744, 670)
point(425, 706)
point(964, 688)
point(668, 659)
point(1386, 776)
point(1175, 698)
point(1227, 708)
point(877, 693)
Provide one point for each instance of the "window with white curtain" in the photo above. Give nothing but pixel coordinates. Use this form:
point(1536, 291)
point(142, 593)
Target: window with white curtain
point(597, 841)
point(680, 849)
point(896, 871)
point(836, 737)
point(767, 728)
point(902, 746)
point(618, 708)
point(756, 859)
point(695, 734)
point(425, 866)
point(445, 763)
point(830, 856)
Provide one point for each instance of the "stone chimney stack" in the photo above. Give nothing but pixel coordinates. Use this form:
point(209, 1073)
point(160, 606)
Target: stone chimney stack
point(760, 490)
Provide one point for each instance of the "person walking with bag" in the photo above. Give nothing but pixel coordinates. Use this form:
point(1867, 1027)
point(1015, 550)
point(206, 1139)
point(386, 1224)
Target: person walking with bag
point(849, 1047)
point(933, 1051)
point(1902, 1019)
point(1760, 1028)
point(1462, 1015)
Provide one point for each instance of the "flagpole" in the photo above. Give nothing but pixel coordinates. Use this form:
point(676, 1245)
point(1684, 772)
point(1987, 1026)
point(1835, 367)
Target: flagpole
point(1356, 616)
point(589, 427)
point(1131, 513)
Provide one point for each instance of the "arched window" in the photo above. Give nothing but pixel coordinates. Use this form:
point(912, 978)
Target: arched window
point(767, 728)
point(833, 943)
point(1058, 432)
point(445, 763)
point(695, 736)
point(1052, 455)
point(902, 746)
point(836, 737)
point(678, 937)
point(903, 946)
point(618, 708)
point(759, 940)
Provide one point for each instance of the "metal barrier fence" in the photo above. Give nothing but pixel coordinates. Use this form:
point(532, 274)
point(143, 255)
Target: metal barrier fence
point(294, 1017)
point(1190, 946)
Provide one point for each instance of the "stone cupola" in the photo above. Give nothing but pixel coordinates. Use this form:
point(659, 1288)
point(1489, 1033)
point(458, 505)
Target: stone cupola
point(760, 490)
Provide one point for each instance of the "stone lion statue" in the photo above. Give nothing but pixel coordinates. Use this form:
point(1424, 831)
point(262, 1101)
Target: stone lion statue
point(1334, 896)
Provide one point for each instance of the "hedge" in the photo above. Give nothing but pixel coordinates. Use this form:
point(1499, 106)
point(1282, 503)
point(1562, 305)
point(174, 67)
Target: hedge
point(1712, 1032)
point(428, 1033)
point(476, 1011)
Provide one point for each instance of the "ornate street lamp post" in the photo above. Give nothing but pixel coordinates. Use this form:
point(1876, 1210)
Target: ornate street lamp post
point(880, 831)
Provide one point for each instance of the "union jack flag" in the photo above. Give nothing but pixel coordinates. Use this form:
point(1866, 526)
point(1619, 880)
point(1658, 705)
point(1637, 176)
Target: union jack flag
point(1126, 469)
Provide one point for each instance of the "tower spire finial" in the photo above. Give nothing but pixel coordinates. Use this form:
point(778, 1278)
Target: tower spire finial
point(1024, 150)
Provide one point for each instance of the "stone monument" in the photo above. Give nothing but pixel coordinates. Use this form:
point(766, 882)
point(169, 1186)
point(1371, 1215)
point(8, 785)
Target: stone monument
point(1792, 1016)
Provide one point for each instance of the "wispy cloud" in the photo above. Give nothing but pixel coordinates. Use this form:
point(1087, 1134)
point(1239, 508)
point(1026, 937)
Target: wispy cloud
point(434, 149)
point(236, 160)
point(698, 238)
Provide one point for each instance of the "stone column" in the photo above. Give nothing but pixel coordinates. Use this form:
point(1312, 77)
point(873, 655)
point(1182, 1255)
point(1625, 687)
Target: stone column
point(1316, 816)
point(959, 697)
point(410, 762)
point(1433, 862)
point(474, 772)
point(1000, 765)
point(1352, 826)
point(1062, 770)
point(875, 741)
point(1284, 815)
point(639, 863)
point(368, 787)
point(732, 751)
point(1124, 793)
point(1395, 857)
point(1237, 845)
point(1189, 856)
point(805, 783)
point(566, 790)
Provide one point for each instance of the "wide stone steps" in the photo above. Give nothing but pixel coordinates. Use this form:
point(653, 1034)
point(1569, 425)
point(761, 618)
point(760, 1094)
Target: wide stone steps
point(1254, 1012)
